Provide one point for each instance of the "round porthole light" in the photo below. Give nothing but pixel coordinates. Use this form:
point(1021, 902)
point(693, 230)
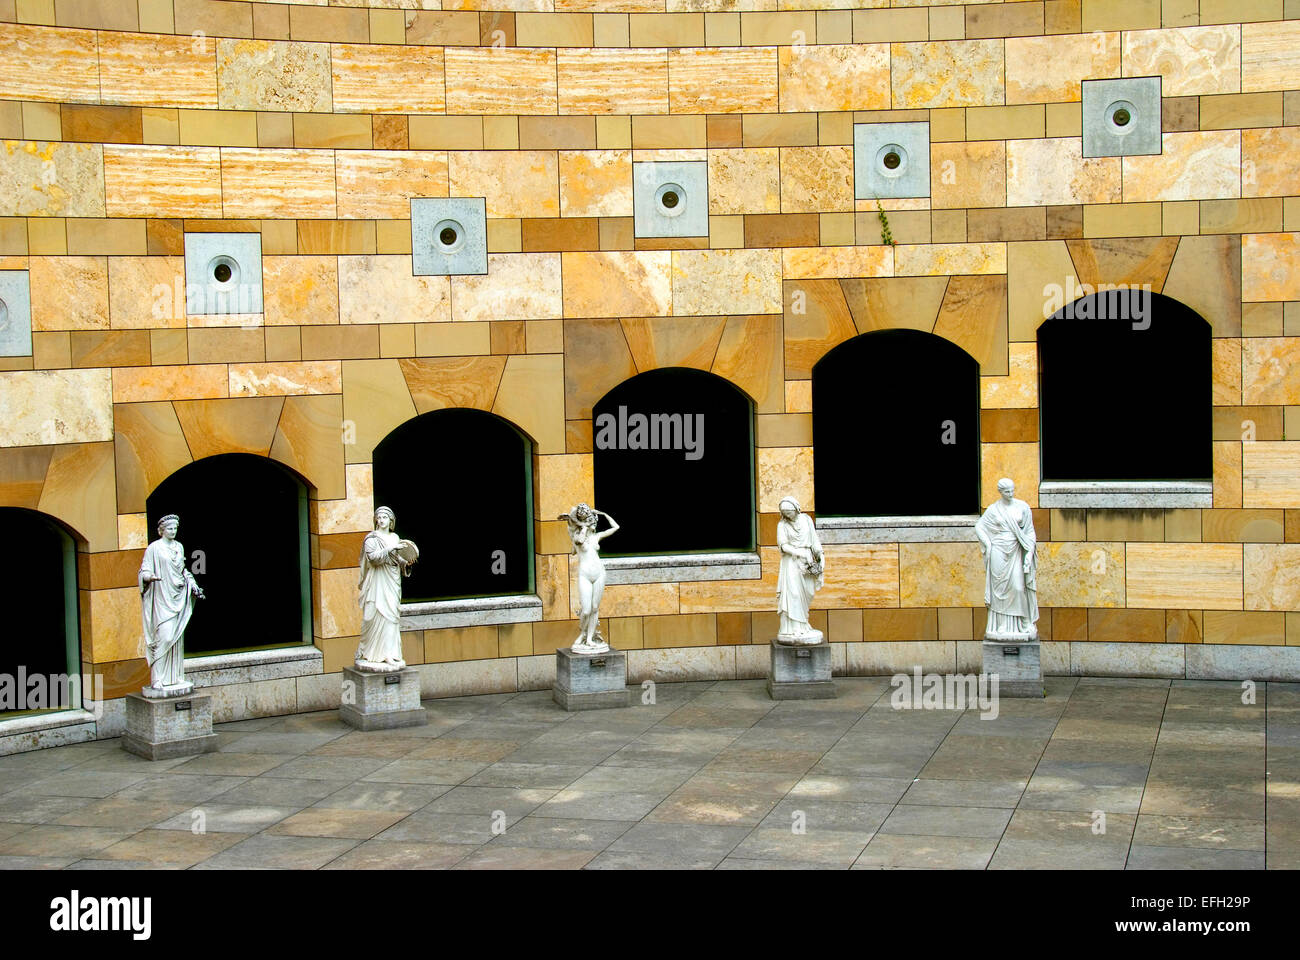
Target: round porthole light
point(891, 160)
point(448, 236)
point(670, 199)
point(224, 272)
point(1121, 115)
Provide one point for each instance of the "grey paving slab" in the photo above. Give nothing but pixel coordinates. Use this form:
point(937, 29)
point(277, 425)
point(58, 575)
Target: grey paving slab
point(400, 855)
point(852, 789)
point(404, 797)
point(943, 821)
point(612, 859)
point(916, 852)
point(814, 815)
point(815, 846)
point(263, 852)
point(181, 787)
point(214, 817)
point(1192, 858)
point(1213, 833)
point(433, 826)
point(966, 793)
point(182, 848)
point(577, 804)
point(498, 857)
point(278, 790)
point(536, 776)
point(561, 834)
point(695, 840)
point(712, 809)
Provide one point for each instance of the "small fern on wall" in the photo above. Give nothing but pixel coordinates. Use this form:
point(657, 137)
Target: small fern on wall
point(885, 235)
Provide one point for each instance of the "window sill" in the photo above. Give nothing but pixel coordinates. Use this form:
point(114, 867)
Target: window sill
point(683, 568)
point(251, 665)
point(1126, 495)
point(473, 612)
point(939, 528)
point(51, 720)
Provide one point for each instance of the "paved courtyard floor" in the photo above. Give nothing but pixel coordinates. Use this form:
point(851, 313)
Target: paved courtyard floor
point(712, 775)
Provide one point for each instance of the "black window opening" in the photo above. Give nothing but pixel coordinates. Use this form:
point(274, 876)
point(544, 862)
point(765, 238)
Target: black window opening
point(896, 427)
point(460, 483)
point(243, 523)
point(1125, 390)
point(40, 654)
point(673, 464)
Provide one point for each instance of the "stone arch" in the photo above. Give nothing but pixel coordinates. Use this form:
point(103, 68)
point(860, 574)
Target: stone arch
point(681, 479)
point(896, 426)
point(1125, 389)
point(602, 353)
point(155, 439)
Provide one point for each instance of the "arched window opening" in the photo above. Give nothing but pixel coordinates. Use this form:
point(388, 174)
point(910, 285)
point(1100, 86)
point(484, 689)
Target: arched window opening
point(673, 453)
point(1125, 390)
point(461, 485)
point(243, 523)
point(40, 654)
point(896, 427)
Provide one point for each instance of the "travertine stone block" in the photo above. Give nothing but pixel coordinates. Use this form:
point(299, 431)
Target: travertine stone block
point(169, 728)
point(381, 701)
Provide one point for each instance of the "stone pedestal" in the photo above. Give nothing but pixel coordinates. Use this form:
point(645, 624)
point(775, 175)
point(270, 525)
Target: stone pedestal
point(381, 701)
point(1017, 664)
point(590, 681)
point(161, 729)
point(801, 672)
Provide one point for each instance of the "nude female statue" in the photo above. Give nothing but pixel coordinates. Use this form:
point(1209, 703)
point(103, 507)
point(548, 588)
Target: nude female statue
point(582, 522)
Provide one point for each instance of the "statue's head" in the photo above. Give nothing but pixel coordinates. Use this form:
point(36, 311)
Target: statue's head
point(584, 516)
point(1006, 487)
point(789, 507)
point(385, 519)
point(168, 526)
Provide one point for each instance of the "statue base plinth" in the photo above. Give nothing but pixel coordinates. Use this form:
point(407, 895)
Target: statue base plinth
point(800, 671)
point(166, 728)
point(167, 693)
point(590, 681)
point(1017, 663)
point(382, 700)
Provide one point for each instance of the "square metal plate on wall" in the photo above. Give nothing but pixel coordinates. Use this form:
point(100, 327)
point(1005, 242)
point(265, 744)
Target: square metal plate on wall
point(223, 273)
point(670, 198)
point(891, 161)
point(448, 236)
point(1121, 118)
point(15, 314)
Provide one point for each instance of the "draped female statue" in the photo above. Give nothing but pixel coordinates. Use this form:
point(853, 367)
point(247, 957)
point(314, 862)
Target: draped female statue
point(800, 575)
point(167, 592)
point(385, 559)
point(1007, 541)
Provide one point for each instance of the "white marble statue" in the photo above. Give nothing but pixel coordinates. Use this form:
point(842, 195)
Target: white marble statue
point(1007, 541)
point(582, 522)
point(800, 575)
point(167, 592)
point(385, 559)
